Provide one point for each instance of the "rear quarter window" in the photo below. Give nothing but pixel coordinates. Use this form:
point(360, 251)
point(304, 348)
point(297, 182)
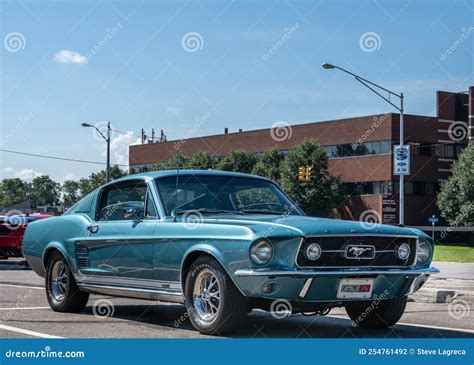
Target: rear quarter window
point(82, 206)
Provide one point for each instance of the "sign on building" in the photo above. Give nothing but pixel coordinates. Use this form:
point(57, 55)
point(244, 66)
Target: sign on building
point(401, 160)
point(389, 210)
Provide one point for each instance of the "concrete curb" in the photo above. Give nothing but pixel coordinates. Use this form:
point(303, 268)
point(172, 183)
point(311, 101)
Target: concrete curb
point(445, 290)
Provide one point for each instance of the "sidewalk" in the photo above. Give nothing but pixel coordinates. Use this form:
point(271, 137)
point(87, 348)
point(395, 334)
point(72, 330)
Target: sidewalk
point(455, 280)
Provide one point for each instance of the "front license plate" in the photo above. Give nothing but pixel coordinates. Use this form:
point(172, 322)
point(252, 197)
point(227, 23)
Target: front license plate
point(355, 288)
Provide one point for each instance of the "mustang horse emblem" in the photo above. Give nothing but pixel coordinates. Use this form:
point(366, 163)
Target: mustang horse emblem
point(357, 251)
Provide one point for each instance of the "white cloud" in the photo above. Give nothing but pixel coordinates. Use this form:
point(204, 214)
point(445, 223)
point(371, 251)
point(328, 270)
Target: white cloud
point(66, 56)
point(119, 147)
point(25, 174)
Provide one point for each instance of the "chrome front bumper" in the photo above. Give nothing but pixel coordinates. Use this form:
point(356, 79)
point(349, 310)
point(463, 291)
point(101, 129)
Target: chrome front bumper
point(338, 273)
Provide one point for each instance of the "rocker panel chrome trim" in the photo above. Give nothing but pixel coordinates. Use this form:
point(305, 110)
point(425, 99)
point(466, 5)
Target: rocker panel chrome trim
point(162, 295)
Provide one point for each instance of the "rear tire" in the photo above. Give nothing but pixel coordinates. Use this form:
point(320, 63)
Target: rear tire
point(383, 314)
point(61, 288)
point(214, 304)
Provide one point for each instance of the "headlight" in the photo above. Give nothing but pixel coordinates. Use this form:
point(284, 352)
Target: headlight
point(423, 253)
point(313, 251)
point(261, 252)
point(403, 251)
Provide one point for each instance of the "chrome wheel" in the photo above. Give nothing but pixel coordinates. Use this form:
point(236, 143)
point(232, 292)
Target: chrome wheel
point(59, 276)
point(206, 295)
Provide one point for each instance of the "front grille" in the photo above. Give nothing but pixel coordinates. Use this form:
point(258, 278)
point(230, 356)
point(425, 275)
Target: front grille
point(333, 251)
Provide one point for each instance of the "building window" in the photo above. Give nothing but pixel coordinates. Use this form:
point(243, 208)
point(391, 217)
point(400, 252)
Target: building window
point(390, 187)
point(358, 149)
point(451, 150)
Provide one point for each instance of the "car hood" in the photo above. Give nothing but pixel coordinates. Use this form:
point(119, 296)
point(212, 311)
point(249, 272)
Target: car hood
point(306, 226)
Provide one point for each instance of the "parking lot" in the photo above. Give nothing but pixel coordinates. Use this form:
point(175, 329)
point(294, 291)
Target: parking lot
point(24, 312)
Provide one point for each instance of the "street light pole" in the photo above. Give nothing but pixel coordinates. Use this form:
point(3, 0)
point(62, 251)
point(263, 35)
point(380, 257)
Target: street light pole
point(107, 140)
point(107, 171)
point(371, 85)
point(401, 188)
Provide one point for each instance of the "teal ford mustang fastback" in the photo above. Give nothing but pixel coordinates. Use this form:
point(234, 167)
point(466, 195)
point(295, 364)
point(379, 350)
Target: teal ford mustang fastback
point(223, 244)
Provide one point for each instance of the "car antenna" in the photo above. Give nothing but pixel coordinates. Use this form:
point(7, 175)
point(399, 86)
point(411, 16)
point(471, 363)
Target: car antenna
point(176, 195)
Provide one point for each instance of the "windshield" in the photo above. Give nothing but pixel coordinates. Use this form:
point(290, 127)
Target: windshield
point(223, 194)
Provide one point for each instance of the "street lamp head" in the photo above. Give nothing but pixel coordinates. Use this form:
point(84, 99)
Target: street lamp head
point(328, 66)
point(86, 125)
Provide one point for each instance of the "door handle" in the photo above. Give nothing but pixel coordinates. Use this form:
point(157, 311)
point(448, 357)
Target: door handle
point(93, 228)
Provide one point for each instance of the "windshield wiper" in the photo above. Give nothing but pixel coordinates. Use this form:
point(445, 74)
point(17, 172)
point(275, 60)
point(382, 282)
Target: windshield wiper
point(262, 211)
point(207, 211)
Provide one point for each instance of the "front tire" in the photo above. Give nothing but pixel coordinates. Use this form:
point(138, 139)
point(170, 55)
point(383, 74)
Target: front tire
point(372, 314)
point(61, 288)
point(214, 304)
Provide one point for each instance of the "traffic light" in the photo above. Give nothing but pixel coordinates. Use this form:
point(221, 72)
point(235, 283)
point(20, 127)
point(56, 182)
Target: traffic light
point(305, 173)
point(301, 173)
point(309, 173)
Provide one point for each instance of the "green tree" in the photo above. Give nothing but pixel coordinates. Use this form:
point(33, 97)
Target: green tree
point(97, 179)
point(85, 187)
point(269, 165)
point(456, 197)
point(177, 161)
point(202, 160)
point(45, 191)
point(318, 196)
point(238, 161)
point(70, 190)
point(13, 191)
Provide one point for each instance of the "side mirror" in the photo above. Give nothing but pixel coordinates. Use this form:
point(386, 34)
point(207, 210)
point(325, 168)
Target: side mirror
point(133, 211)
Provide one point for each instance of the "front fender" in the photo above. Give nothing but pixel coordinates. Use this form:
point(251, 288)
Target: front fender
point(234, 256)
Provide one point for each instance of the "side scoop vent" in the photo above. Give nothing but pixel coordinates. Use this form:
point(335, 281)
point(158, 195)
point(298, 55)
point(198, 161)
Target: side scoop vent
point(82, 254)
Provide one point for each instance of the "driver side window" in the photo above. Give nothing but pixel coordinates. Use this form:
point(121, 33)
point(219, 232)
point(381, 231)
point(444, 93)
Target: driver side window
point(117, 198)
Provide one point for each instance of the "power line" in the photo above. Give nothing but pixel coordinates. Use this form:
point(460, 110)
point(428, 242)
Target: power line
point(58, 158)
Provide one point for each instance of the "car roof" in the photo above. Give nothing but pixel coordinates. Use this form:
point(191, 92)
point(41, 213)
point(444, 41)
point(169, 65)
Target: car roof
point(185, 172)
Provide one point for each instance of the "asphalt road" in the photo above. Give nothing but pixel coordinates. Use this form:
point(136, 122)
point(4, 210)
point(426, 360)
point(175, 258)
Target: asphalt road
point(24, 312)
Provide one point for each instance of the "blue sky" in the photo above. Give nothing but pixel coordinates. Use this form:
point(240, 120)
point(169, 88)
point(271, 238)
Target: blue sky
point(165, 64)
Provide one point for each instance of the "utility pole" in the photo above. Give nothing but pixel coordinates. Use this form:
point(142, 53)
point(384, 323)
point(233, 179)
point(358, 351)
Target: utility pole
point(371, 85)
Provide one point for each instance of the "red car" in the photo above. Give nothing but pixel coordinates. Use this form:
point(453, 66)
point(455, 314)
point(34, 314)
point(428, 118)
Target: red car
point(12, 229)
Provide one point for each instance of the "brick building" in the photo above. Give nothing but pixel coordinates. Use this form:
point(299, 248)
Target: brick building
point(360, 152)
